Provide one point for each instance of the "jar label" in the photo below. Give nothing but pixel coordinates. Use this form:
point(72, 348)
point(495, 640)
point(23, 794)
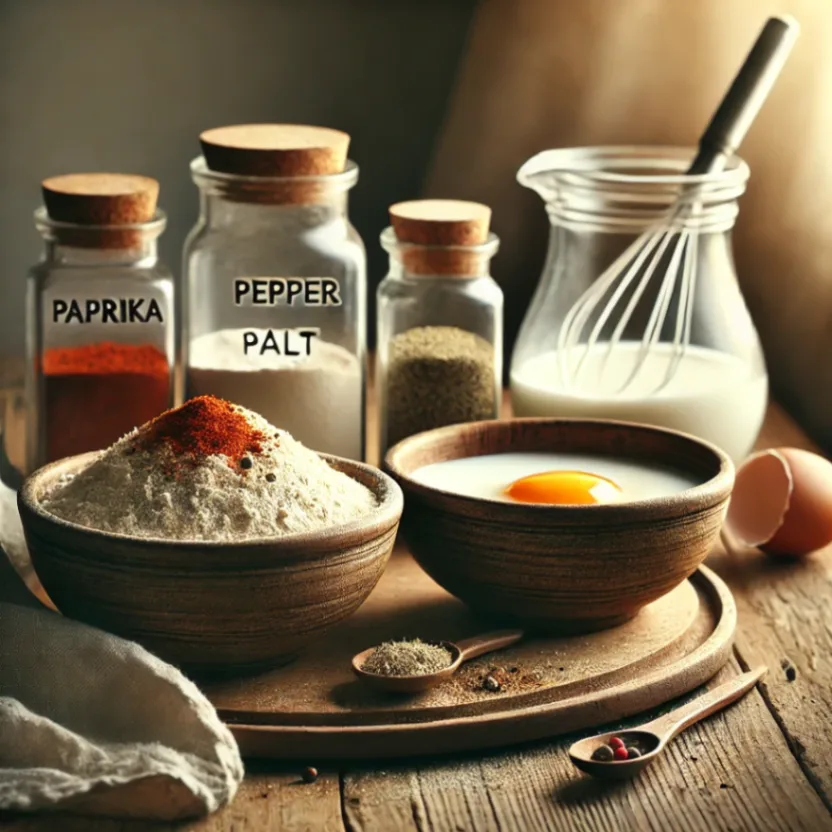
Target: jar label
point(106, 311)
point(260, 292)
point(291, 291)
point(288, 342)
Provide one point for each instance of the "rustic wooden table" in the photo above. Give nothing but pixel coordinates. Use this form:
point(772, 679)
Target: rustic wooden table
point(764, 764)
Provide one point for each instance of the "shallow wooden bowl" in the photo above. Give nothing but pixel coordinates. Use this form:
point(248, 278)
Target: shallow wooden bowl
point(561, 568)
point(211, 608)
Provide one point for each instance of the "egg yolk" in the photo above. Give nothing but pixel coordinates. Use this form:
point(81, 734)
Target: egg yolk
point(561, 488)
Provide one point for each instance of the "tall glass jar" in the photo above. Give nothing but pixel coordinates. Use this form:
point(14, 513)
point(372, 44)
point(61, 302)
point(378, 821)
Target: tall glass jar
point(439, 329)
point(100, 316)
point(599, 200)
point(274, 302)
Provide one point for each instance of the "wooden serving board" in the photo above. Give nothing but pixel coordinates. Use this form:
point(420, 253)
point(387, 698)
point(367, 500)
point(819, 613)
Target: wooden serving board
point(316, 709)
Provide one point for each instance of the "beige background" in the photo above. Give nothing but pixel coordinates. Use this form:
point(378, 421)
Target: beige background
point(552, 73)
point(129, 84)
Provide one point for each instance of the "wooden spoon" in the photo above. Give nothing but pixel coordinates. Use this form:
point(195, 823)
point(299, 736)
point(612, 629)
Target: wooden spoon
point(652, 738)
point(461, 651)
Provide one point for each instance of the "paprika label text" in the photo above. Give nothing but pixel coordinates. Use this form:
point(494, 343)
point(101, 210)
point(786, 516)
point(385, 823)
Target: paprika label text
point(107, 311)
point(289, 342)
point(300, 291)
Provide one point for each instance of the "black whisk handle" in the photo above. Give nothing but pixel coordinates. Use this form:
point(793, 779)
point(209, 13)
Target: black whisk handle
point(746, 95)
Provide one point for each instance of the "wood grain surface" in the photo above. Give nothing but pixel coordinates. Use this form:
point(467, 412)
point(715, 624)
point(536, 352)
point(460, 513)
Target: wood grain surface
point(763, 764)
point(712, 778)
point(319, 688)
point(314, 708)
point(563, 568)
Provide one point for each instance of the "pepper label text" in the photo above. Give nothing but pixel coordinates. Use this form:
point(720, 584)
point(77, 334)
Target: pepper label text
point(272, 291)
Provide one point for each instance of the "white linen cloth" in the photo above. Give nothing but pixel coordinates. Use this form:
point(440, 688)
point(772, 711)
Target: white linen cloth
point(94, 724)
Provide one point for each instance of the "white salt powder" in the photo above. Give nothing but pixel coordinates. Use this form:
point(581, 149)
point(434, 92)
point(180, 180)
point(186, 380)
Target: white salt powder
point(142, 487)
point(319, 398)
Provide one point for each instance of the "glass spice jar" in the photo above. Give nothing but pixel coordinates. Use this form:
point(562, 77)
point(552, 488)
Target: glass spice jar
point(274, 305)
point(100, 316)
point(440, 320)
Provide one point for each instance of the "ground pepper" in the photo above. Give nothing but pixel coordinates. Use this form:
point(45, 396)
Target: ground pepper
point(437, 376)
point(407, 658)
point(96, 393)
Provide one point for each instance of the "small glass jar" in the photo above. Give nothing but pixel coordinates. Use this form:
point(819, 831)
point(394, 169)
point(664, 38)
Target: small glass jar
point(274, 302)
point(439, 337)
point(100, 316)
point(599, 201)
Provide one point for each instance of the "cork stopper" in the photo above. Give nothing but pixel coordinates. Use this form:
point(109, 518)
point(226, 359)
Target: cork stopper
point(277, 150)
point(100, 200)
point(436, 233)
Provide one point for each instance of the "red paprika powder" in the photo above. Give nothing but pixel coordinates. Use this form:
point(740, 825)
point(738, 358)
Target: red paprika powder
point(94, 394)
point(204, 426)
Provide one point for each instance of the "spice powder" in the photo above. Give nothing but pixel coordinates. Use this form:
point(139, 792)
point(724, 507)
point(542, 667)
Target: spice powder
point(96, 393)
point(437, 376)
point(407, 658)
point(209, 470)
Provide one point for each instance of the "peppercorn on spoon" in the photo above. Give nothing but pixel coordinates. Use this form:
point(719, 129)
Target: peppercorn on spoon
point(461, 652)
point(652, 738)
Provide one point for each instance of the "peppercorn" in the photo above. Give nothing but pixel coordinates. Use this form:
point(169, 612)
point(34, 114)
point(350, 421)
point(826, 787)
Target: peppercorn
point(616, 742)
point(310, 774)
point(491, 684)
point(270, 477)
point(602, 754)
point(246, 463)
point(620, 753)
point(633, 752)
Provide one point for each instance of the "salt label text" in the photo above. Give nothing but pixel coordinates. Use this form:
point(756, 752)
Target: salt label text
point(289, 342)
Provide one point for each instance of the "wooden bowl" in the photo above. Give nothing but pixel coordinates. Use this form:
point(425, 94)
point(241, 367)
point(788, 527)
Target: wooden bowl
point(561, 568)
point(212, 608)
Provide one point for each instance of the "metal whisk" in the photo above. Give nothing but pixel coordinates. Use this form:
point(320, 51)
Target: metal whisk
point(673, 240)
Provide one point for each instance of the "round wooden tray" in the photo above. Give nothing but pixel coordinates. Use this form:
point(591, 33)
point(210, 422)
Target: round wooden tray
point(316, 709)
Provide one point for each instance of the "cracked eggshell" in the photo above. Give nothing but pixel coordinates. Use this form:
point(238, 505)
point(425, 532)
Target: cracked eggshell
point(782, 502)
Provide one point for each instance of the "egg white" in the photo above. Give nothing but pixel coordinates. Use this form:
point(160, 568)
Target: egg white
point(488, 476)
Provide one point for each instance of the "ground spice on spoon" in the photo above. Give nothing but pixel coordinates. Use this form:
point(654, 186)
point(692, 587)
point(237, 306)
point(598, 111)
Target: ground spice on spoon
point(407, 658)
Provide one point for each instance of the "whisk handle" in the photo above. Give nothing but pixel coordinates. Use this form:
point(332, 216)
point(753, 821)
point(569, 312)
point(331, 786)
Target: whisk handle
point(747, 93)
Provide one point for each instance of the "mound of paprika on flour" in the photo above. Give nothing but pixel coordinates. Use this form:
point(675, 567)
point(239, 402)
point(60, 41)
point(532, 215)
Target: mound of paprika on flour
point(204, 426)
point(95, 393)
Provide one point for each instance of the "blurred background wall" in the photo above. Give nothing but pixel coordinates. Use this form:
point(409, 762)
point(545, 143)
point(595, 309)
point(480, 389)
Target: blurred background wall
point(476, 87)
point(128, 85)
point(564, 73)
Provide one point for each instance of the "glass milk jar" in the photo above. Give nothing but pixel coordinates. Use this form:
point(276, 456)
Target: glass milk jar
point(274, 300)
point(439, 356)
point(100, 316)
point(675, 347)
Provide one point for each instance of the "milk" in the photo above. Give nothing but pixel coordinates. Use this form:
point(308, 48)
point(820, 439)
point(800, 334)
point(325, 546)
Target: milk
point(488, 476)
point(712, 395)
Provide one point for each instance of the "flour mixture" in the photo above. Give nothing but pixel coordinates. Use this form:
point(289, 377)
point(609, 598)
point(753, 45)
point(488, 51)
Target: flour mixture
point(209, 470)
